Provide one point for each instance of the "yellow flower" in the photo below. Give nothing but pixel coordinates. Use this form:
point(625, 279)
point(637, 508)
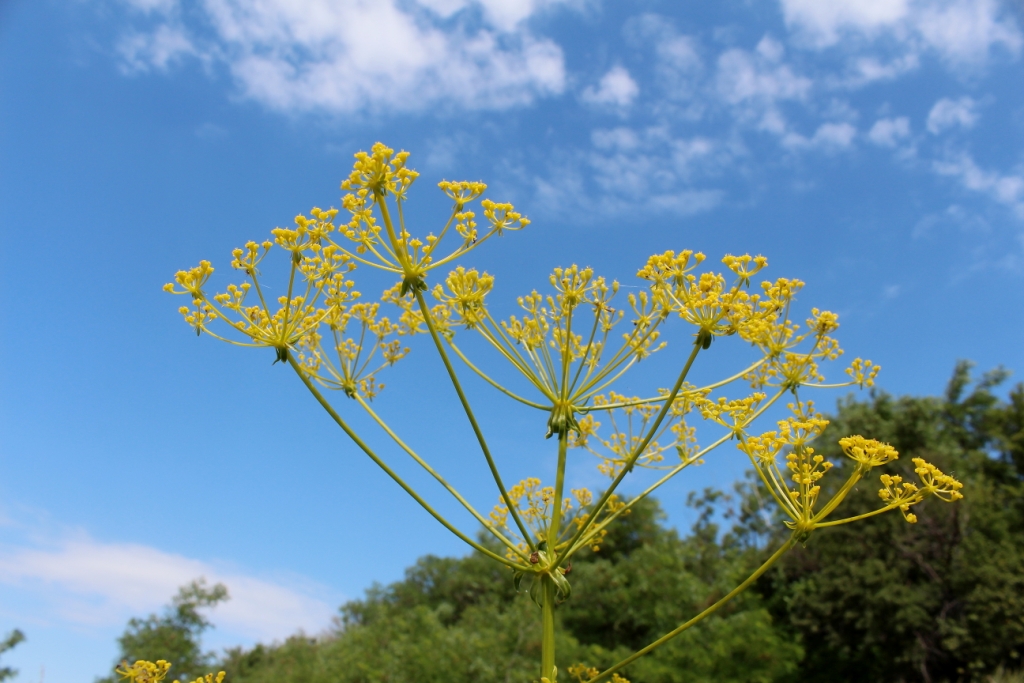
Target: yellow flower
point(936, 482)
point(535, 504)
point(465, 296)
point(381, 172)
point(868, 452)
point(863, 372)
point(143, 671)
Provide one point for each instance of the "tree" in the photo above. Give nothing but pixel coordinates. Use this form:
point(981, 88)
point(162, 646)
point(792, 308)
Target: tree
point(8, 643)
point(176, 635)
point(939, 600)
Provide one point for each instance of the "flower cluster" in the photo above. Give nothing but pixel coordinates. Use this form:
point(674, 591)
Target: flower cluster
point(797, 493)
point(629, 420)
point(583, 673)
point(383, 173)
point(143, 671)
point(534, 504)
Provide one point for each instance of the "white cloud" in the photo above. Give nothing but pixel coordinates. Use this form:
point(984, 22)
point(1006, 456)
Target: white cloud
point(966, 30)
point(743, 76)
point(351, 55)
point(158, 49)
point(824, 22)
point(754, 83)
point(678, 63)
point(954, 216)
point(828, 137)
point(627, 163)
point(629, 167)
point(869, 69)
point(1007, 189)
point(93, 584)
point(947, 113)
point(147, 6)
point(889, 132)
point(616, 88)
point(961, 31)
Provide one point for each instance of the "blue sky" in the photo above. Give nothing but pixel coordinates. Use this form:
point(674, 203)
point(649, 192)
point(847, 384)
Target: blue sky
point(873, 149)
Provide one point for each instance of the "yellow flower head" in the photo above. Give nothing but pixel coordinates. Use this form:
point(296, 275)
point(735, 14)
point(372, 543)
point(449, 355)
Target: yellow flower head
point(143, 671)
point(901, 494)
point(868, 452)
point(745, 266)
point(462, 192)
point(863, 372)
point(670, 270)
point(466, 291)
point(191, 281)
point(381, 172)
point(503, 216)
point(936, 482)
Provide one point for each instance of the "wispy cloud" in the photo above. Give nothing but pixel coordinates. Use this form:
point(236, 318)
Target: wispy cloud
point(346, 56)
point(828, 137)
point(888, 132)
point(616, 89)
point(1005, 188)
point(962, 32)
point(702, 97)
point(96, 584)
point(947, 113)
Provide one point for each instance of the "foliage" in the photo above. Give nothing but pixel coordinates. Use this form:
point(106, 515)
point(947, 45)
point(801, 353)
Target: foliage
point(174, 636)
point(941, 600)
point(8, 643)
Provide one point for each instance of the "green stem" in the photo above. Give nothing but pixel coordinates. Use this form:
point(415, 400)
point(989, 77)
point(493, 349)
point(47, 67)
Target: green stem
point(556, 509)
point(879, 511)
point(451, 489)
point(547, 652)
point(494, 384)
point(400, 254)
point(391, 473)
point(605, 675)
point(472, 421)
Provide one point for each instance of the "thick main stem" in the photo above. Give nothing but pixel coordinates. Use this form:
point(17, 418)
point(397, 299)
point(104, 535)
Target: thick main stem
point(554, 528)
point(547, 652)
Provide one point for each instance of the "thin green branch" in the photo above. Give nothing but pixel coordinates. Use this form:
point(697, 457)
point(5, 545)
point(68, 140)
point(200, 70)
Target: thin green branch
point(391, 473)
point(422, 463)
point(494, 384)
point(472, 420)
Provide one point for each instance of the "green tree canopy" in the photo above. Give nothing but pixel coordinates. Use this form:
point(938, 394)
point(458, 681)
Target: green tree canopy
point(939, 600)
point(12, 639)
